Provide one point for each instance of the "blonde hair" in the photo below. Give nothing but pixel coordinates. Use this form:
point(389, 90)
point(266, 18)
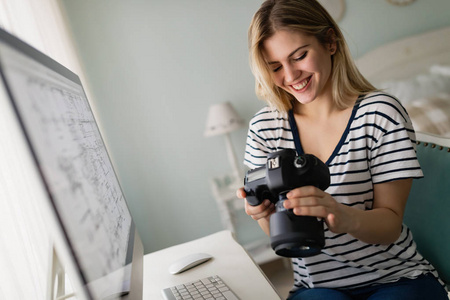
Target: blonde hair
point(308, 17)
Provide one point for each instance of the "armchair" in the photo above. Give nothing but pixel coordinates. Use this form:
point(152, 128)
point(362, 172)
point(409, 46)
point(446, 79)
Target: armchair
point(428, 208)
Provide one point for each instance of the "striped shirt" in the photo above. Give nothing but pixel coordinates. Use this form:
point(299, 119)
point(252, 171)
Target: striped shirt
point(378, 146)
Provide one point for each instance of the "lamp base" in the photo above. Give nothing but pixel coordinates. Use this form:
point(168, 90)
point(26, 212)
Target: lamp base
point(232, 159)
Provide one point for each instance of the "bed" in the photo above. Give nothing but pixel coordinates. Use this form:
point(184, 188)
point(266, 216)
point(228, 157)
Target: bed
point(417, 71)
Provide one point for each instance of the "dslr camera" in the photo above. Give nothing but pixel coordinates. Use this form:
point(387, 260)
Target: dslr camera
point(290, 235)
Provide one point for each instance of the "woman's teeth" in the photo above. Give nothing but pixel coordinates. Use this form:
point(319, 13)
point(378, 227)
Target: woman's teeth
point(301, 85)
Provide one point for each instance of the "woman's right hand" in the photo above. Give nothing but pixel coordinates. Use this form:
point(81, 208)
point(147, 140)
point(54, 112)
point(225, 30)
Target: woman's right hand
point(262, 211)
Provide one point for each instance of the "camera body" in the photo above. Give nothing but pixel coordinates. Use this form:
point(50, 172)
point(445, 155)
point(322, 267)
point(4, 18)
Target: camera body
point(290, 235)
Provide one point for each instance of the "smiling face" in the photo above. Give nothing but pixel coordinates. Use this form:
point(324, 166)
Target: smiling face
point(299, 64)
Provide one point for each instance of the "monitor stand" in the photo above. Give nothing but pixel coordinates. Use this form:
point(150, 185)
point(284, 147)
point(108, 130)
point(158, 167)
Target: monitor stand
point(59, 286)
point(56, 286)
point(137, 270)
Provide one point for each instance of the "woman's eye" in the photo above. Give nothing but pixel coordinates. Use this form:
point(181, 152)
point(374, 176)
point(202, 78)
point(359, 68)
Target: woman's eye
point(276, 69)
point(302, 56)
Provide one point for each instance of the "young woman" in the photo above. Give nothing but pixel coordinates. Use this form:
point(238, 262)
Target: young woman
point(320, 104)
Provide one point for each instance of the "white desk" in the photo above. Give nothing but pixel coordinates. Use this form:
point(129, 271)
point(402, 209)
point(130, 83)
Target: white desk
point(231, 262)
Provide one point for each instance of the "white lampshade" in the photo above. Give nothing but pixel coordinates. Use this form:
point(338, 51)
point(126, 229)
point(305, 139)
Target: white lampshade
point(222, 118)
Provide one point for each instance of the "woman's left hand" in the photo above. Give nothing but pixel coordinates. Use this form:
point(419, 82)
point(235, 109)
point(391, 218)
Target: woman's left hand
point(382, 224)
point(311, 201)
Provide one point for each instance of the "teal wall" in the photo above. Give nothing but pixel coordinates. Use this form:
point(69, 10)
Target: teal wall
point(154, 67)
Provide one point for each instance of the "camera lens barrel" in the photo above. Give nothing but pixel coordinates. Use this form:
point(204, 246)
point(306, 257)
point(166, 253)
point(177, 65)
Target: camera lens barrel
point(295, 236)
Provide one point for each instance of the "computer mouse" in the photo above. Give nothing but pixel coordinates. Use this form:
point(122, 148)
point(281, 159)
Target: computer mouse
point(188, 262)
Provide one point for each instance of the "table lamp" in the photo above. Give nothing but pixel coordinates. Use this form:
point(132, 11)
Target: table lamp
point(223, 119)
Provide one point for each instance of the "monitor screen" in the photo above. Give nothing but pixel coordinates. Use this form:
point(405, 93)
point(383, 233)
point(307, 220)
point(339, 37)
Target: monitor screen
point(73, 162)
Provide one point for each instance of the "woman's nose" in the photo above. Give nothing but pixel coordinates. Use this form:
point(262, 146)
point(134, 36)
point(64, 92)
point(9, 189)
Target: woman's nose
point(291, 74)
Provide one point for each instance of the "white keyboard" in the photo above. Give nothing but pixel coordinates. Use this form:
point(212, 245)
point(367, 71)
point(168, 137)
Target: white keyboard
point(211, 287)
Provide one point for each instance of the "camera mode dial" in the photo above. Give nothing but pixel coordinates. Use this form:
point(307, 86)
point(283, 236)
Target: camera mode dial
point(300, 162)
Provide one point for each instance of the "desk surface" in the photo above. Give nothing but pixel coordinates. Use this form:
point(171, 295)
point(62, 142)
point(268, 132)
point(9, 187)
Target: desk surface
point(230, 261)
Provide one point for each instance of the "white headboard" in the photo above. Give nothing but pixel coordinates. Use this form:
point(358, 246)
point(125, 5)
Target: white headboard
point(406, 57)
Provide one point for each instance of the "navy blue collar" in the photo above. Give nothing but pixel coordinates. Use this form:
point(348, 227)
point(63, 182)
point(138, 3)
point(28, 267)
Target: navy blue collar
point(296, 135)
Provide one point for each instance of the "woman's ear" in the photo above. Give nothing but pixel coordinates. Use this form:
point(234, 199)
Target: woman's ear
point(332, 44)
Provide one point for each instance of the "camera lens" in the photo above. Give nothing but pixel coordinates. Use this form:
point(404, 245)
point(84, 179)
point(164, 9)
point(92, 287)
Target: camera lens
point(296, 236)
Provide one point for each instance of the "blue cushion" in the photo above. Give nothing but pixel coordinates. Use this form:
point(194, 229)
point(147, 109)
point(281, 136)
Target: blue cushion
point(428, 207)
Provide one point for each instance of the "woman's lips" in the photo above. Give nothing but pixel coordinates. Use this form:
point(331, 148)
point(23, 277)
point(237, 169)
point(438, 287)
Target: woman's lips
point(302, 84)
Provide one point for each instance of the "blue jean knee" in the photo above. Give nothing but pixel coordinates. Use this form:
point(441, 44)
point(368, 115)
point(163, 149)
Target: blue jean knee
point(318, 294)
point(423, 287)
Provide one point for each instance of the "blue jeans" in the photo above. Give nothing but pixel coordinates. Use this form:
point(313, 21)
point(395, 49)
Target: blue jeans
point(423, 287)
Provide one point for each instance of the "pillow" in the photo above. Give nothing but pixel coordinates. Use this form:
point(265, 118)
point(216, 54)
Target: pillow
point(443, 70)
point(421, 86)
point(431, 114)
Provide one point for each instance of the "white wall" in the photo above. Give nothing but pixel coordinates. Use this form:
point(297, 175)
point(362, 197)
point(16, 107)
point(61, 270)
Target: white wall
point(26, 242)
point(155, 66)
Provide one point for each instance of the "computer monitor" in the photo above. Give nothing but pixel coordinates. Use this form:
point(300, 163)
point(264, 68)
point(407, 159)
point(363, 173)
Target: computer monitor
point(93, 231)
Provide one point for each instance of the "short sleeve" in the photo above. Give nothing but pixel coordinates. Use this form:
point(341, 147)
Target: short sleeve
point(393, 155)
point(269, 131)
